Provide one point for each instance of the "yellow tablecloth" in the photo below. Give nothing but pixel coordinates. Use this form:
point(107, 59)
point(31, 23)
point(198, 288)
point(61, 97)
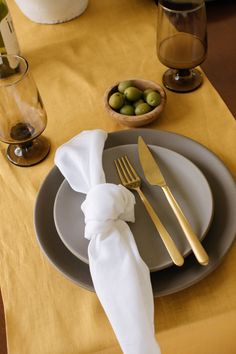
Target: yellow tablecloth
point(73, 63)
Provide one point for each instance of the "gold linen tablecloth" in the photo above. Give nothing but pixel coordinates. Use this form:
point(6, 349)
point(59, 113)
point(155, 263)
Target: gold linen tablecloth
point(73, 63)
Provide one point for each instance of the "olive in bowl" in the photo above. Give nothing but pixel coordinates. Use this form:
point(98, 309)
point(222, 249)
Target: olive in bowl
point(135, 102)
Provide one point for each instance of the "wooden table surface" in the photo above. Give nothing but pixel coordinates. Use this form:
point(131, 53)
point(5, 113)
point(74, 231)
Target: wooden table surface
point(219, 67)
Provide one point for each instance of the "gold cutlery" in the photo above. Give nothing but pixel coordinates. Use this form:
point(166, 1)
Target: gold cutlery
point(130, 179)
point(154, 176)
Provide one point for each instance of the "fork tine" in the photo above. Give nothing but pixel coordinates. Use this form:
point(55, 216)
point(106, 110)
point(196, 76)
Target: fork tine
point(120, 171)
point(128, 172)
point(132, 170)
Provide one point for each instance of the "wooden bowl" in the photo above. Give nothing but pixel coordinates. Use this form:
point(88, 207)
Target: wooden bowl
point(136, 120)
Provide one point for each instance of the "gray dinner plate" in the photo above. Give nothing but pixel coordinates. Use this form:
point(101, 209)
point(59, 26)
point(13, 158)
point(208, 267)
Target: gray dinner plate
point(187, 183)
point(217, 242)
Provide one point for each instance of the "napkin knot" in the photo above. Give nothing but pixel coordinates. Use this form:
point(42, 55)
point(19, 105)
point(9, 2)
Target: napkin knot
point(104, 205)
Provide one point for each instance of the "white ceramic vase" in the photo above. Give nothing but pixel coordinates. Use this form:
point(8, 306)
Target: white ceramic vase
point(52, 11)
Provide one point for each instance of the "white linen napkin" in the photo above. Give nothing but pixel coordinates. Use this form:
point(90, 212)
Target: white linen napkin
point(121, 279)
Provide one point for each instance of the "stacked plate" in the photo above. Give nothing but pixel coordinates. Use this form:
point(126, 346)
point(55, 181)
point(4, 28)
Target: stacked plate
point(201, 184)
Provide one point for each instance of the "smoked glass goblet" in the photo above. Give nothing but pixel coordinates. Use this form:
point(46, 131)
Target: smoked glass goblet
point(182, 42)
point(22, 114)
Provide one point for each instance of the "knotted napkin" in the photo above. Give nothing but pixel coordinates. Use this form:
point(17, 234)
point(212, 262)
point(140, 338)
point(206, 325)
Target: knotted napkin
point(121, 279)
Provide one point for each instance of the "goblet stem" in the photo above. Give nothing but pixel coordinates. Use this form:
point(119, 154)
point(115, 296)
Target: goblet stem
point(22, 149)
point(183, 73)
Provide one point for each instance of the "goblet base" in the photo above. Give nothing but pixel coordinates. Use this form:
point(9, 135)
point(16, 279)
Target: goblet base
point(29, 153)
point(184, 80)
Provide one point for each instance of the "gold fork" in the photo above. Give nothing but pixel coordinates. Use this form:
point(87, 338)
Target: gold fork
point(130, 179)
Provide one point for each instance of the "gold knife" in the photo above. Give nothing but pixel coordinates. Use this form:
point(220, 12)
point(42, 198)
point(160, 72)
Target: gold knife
point(154, 176)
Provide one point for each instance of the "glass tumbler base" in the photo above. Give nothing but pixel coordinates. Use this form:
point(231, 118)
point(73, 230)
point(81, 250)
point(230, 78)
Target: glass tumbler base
point(182, 80)
point(29, 153)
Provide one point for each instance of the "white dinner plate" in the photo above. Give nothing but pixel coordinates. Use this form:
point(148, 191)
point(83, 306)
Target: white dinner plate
point(188, 185)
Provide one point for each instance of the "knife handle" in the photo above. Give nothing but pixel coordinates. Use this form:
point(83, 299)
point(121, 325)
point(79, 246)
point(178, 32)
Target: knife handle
point(173, 251)
point(193, 240)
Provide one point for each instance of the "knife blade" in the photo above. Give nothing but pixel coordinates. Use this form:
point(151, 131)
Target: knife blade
point(155, 177)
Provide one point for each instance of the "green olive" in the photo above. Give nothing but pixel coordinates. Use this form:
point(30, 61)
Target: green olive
point(133, 93)
point(123, 85)
point(153, 98)
point(142, 108)
point(127, 109)
point(136, 103)
point(116, 100)
point(145, 92)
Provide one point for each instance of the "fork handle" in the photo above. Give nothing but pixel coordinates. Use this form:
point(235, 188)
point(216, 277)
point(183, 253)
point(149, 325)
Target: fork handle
point(173, 251)
point(193, 240)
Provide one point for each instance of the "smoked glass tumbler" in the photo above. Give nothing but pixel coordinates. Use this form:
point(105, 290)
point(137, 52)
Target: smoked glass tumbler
point(22, 114)
point(182, 42)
